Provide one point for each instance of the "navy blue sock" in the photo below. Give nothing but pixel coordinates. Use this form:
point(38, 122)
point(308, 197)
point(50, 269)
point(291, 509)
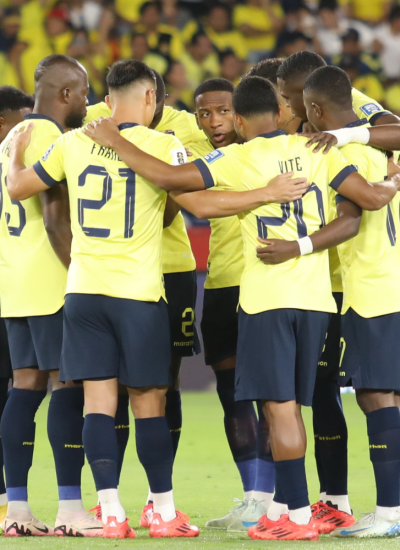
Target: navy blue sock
point(3, 399)
point(291, 479)
point(320, 469)
point(18, 437)
point(122, 428)
point(331, 443)
point(101, 448)
point(64, 428)
point(154, 449)
point(384, 448)
point(173, 414)
point(265, 476)
point(240, 427)
point(278, 496)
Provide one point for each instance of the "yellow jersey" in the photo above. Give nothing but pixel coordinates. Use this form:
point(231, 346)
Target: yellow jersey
point(177, 252)
point(303, 282)
point(258, 18)
point(116, 216)
point(371, 260)
point(32, 278)
point(226, 260)
point(368, 108)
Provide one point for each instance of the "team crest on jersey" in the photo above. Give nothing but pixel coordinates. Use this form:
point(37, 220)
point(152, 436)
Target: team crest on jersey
point(370, 109)
point(213, 156)
point(47, 153)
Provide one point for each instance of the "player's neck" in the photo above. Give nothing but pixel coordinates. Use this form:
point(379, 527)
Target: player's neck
point(256, 128)
point(45, 108)
point(340, 119)
point(121, 114)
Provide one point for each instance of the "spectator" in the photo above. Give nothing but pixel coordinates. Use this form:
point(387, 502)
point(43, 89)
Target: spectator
point(231, 67)
point(85, 14)
point(331, 28)
point(371, 12)
point(387, 45)
point(129, 9)
point(221, 34)
point(260, 21)
point(180, 95)
point(162, 38)
point(140, 50)
point(11, 50)
point(200, 60)
point(368, 83)
point(292, 42)
point(352, 47)
point(59, 31)
point(174, 15)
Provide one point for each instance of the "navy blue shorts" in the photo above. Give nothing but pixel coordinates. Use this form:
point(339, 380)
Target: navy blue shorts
point(181, 293)
point(35, 341)
point(5, 360)
point(107, 337)
point(219, 323)
point(370, 351)
point(278, 353)
point(328, 365)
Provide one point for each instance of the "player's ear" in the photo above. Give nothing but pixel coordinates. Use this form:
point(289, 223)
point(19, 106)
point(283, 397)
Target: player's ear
point(66, 93)
point(237, 119)
point(317, 110)
point(278, 116)
point(108, 101)
point(150, 96)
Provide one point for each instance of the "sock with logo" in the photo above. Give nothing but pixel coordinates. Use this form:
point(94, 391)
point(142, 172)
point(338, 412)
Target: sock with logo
point(291, 478)
point(64, 429)
point(122, 428)
point(241, 426)
point(173, 414)
point(3, 400)
point(320, 470)
point(331, 443)
point(265, 472)
point(18, 437)
point(155, 452)
point(384, 442)
point(101, 448)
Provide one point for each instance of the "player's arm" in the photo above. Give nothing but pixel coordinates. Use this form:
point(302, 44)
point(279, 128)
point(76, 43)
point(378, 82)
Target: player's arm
point(57, 221)
point(219, 204)
point(22, 182)
point(172, 208)
point(369, 196)
point(343, 228)
point(185, 177)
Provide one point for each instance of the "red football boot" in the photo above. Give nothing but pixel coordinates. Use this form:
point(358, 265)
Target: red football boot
point(327, 518)
point(264, 523)
point(178, 527)
point(115, 530)
point(284, 529)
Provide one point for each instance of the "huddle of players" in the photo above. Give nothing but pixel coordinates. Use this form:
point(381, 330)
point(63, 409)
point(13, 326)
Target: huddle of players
point(108, 320)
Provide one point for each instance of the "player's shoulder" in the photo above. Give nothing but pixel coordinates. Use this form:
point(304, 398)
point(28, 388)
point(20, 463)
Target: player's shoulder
point(155, 137)
point(200, 149)
point(96, 111)
point(364, 105)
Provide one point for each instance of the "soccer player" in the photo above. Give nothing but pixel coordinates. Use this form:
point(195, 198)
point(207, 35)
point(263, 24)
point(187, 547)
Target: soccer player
point(115, 306)
point(289, 307)
point(371, 306)
point(14, 105)
point(179, 269)
point(35, 239)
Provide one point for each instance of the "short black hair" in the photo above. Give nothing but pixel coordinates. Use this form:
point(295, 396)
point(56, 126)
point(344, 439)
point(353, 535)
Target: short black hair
point(332, 83)
point(146, 5)
point(267, 68)
point(52, 60)
point(196, 36)
point(160, 93)
point(254, 96)
point(126, 72)
point(214, 85)
point(220, 6)
point(300, 65)
point(394, 13)
point(351, 35)
point(12, 99)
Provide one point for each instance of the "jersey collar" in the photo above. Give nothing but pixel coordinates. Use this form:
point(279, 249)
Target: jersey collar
point(43, 117)
point(125, 125)
point(273, 134)
point(359, 122)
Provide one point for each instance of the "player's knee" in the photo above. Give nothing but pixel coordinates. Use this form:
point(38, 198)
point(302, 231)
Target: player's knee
point(275, 411)
point(226, 364)
point(30, 379)
point(148, 402)
point(371, 400)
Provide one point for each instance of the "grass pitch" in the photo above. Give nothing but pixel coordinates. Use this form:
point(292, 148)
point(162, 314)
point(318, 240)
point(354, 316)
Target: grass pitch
point(205, 482)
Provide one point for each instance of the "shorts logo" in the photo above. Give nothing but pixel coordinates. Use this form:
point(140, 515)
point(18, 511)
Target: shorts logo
point(370, 109)
point(213, 156)
point(47, 153)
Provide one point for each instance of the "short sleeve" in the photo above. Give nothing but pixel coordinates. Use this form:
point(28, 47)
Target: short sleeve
point(220, 168)
point(50, 168)
point(338, 168)
point(368, 108)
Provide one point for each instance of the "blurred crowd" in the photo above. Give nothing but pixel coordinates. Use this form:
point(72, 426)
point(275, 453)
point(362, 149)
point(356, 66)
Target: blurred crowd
point(189, 41)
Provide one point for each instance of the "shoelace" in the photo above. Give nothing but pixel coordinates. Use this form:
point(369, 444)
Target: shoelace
point(253, 503)
point(242, 503)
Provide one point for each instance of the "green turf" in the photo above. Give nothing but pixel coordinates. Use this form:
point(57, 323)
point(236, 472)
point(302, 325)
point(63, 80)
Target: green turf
point(205, 481)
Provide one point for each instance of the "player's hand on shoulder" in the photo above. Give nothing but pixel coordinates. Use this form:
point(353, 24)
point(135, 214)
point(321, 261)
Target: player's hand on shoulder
point(393, 168)
point(102, 131)
point(323, 140)
point(277, 251)
point(286, 188)
point(21, 138)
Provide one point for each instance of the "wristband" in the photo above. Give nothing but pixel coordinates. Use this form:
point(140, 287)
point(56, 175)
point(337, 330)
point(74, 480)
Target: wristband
point(345, 136)
point(305, 245)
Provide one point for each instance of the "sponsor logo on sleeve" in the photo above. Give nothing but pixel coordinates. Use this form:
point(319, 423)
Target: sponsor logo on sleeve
point(47, 153)
point(178, 157)
point(213, 156)
point(370, 109)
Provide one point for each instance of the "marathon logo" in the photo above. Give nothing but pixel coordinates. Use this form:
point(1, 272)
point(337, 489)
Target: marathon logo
point(47, 153)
